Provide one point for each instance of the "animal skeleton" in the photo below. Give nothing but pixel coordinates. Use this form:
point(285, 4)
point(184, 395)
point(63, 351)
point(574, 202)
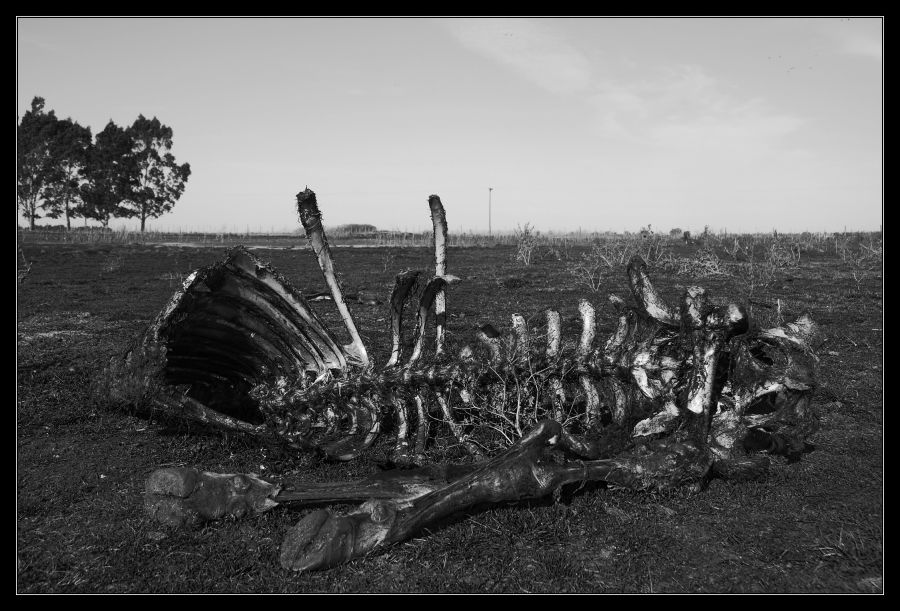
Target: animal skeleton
point(674, 396)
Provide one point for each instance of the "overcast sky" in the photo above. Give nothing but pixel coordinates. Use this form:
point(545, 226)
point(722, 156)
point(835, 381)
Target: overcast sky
point(602, 124)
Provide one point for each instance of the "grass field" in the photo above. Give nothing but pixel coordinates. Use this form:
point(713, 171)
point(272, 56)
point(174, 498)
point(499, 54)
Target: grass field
point(813, 526)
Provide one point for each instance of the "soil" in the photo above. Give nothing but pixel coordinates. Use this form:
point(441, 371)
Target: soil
point(812, 526)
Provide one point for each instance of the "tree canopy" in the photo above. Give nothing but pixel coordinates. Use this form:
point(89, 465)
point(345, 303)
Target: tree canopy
point(121, 172)
point(69, 151)
point(157, 181)
point(34, 157)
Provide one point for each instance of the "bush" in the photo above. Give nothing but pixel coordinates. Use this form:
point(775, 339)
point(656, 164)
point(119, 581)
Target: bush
point(526, 241)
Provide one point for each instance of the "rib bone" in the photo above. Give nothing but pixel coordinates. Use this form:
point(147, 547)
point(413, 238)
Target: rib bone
point(403, 287)
point(312, 223)
point(439, 221)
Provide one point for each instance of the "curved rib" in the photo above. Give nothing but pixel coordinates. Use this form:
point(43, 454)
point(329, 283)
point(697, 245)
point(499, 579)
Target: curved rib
point(434, 286)
point(403, 286)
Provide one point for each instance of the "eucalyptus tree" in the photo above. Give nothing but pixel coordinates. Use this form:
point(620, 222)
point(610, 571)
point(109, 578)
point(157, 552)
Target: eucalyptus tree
point(35, 167)
point(70, 148)
point(156, 181)
point(108, 175)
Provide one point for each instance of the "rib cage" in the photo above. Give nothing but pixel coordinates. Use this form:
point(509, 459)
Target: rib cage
point(239, 347)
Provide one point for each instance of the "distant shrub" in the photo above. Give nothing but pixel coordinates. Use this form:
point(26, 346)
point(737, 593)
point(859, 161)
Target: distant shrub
point(526, 241)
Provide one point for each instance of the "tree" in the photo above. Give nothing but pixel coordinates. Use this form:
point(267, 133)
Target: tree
point(34, 159)
point(107, 175)
point(157, 182)
point(69, 150)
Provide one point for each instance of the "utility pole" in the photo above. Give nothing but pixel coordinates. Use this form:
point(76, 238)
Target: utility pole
point(489, 211)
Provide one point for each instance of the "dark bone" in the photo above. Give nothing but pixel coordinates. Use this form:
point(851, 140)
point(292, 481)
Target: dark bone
point(434, 288)
point(403, 287)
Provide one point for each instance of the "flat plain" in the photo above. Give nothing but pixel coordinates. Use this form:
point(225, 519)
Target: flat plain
point(813, 526)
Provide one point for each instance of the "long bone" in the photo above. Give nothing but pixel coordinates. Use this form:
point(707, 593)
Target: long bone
point(322, 539)
point(401, 503)
point(311, 218)
point(439, 221)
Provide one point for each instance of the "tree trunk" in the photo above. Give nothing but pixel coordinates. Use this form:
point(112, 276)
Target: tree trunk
point(68, 217)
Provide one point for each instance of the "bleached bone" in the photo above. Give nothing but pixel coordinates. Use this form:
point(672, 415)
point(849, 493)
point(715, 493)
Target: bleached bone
point(421, 428)
point(439, 221)
point(553, 334)
point(588, 329)
point(401, 449)
point(592, 402)
point(311, 219)
point(522, 345)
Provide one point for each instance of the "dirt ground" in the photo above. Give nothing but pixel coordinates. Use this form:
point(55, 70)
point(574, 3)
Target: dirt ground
point(813, 526)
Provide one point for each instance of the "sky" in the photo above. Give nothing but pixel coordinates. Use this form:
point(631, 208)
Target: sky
point(597, 124)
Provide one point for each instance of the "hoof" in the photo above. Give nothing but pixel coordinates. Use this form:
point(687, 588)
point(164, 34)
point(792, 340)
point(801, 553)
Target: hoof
point(322, 540)
point(180, 496)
